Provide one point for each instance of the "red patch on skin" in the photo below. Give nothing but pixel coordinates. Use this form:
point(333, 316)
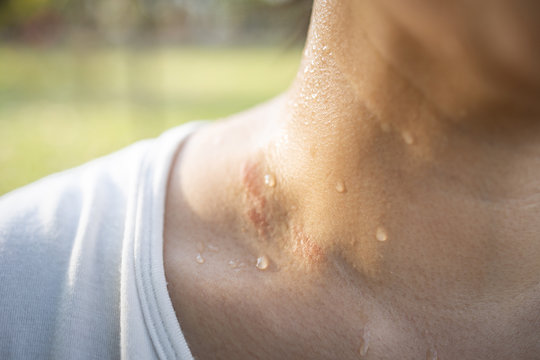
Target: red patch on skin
point(256, 202)
point(251, 179)
point(304, 247)
point(258, 219)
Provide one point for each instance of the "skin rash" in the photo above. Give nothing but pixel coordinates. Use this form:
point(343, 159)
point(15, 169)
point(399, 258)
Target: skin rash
point(255, 199)
point(258, 214)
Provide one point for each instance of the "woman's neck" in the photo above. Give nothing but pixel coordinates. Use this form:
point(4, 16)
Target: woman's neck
point(386, 178)
point(369, 158)
point(355, 145)
point(378, 123)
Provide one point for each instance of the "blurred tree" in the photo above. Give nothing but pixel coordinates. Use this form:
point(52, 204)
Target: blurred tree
point(145, 21)
point(34, 21)
point(17, 11)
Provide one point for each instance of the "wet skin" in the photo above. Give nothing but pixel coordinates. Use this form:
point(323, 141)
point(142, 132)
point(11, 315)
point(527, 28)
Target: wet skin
point(398, 217)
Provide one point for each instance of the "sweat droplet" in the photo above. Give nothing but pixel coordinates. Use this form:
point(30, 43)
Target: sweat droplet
point(340, 187)
point(270, 180)
point(262, 262)
point(431, 354)
point(381, 234)
point(236, 265)
point(364, 346)
point(407, 137)
point(199, 259)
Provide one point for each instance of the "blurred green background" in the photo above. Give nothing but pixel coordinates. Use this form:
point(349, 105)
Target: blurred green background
point(73, 88)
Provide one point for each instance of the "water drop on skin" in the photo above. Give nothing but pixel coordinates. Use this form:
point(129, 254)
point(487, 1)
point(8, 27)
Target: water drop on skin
point(340, 187)
point(364, 347)
point(270, 180)
point(381, 234)
point(407, 137)
point(199, 259)
point(262, 262)
point(236, 265)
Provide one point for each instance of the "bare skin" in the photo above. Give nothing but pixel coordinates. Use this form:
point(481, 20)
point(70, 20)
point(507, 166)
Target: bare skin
point(393, 190)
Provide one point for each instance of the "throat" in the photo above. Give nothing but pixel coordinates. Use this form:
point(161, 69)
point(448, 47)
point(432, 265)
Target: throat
point(424, 212)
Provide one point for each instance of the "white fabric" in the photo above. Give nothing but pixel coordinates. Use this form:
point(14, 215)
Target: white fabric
point(81, 263)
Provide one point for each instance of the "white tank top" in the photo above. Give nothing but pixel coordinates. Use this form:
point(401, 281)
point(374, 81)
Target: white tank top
point(81, 263)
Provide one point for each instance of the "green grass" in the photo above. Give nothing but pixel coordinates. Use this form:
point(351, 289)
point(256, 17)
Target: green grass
point(62, 107)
